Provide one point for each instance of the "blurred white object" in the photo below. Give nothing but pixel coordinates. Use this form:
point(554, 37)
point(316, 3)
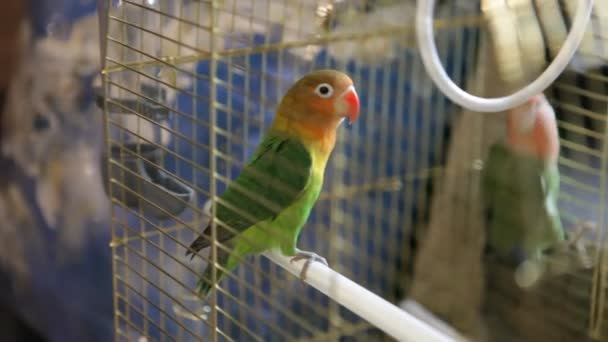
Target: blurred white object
point(502, 25)
point(517, 27)
point(420, 312)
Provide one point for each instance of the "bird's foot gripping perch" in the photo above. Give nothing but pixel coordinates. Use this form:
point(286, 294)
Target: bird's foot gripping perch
point(573, 253)
point(310, 257)
point(578, 242)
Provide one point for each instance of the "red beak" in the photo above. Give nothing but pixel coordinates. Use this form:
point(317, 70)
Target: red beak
point(352, 102)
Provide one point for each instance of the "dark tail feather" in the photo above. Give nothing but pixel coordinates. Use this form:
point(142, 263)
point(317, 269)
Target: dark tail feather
point(203, 287)
point(205, 283)
point(201, 242)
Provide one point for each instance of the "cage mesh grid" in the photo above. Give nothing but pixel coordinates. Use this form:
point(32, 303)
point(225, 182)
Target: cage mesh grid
point(581, 106)
point(570, 306)
point(377, 186)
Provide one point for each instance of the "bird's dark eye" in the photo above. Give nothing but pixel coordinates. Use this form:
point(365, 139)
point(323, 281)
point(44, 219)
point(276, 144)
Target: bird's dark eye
point(324, 90)
point(41, 122)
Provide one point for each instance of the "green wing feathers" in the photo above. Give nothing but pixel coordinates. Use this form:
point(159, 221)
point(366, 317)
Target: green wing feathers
point(520, 194)
point(274, 177)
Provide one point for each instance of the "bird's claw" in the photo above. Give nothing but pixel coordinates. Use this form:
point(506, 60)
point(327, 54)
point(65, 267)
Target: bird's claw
point(581, 229)
point(577, 241)
point(310, 257)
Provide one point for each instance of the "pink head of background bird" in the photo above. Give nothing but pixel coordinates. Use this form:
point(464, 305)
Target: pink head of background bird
point(532, 129)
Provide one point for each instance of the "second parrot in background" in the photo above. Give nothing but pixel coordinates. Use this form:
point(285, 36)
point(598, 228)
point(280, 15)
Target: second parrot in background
point(521, 188)
point(269, 202)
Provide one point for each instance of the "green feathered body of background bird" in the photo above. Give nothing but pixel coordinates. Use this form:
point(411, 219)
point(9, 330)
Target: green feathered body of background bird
point(521, 183)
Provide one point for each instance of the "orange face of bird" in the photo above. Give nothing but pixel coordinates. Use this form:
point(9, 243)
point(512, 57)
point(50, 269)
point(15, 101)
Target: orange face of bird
point(322, 97)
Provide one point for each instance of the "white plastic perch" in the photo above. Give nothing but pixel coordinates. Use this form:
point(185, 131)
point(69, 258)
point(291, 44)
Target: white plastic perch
point(382, 314)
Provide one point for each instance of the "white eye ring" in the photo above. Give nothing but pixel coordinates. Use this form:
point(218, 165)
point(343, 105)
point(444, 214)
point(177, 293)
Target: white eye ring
point(324, 90)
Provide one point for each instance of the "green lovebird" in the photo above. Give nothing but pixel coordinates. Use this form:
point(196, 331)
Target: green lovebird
point(521, 186)
point(269, 202)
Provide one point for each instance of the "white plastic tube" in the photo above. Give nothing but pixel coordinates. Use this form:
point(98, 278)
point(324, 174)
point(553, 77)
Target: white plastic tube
point(382, 314)
point(432, 63)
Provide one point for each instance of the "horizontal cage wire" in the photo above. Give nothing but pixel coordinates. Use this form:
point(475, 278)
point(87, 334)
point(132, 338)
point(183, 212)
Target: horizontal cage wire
point(190, 88)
